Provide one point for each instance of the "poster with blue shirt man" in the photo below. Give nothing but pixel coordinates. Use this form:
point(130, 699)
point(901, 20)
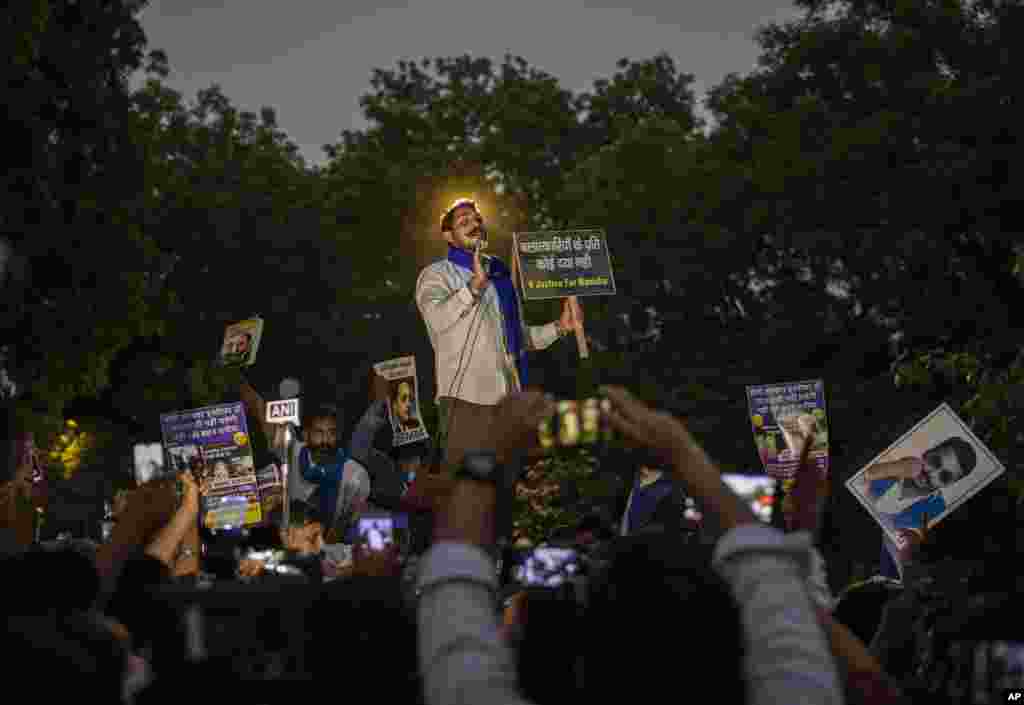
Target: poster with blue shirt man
point(930, 471)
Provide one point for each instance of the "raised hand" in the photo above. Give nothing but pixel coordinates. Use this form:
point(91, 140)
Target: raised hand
point(572, 314)
point(517, 419)
point(644, 426)
point(480, 279)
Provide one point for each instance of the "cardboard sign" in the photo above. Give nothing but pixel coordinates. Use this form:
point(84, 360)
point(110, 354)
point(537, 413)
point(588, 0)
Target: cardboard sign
point(403, 400)
point(554, 264)
point(213, 443)
point(930, 471)
point(241, 342)
point(783, 417)
point(283, 411)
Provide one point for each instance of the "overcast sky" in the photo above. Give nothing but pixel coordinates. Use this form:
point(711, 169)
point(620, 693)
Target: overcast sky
point(311, 60)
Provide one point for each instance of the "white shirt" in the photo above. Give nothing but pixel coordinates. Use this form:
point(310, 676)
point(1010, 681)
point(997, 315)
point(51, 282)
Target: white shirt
point(468, 336)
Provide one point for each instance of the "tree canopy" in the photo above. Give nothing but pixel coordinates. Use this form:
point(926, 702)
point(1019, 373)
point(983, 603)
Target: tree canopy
point(847, 213)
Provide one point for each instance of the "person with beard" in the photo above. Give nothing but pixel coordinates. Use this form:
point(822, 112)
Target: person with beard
point(321, 471)
point(340, 484)
point(907, 490)
point(475, 323)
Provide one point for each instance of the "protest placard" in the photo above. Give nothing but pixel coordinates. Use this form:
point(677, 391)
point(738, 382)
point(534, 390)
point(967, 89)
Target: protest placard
point(268, 480)
point(213, 443)
point(241, 342)
point(558, 263)
point(403, 400)
point(930, 471)
point(783, 416)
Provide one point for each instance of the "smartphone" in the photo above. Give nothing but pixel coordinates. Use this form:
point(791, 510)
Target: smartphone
point(377, 532)
point(757, 490)
point(576, 423)
point(547, 567)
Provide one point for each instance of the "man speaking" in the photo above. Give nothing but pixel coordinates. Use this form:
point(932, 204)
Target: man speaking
point(474, 319)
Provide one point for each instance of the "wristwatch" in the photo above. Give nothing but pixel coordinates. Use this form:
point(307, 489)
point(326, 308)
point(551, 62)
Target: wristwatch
point(480, 467)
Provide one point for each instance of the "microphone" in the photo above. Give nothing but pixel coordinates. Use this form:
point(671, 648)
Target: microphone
point(289, 388)
point(481, 243)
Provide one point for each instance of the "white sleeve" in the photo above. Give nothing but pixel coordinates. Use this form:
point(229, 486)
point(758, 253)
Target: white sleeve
point(440, 306)
point(788, 656)
point(463, 659)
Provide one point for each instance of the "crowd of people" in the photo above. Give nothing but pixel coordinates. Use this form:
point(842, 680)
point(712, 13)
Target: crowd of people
point(727, 604)
point(386, 569)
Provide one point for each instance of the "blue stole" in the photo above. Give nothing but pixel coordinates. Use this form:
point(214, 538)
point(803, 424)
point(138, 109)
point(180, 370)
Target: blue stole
point(501, 277)
point(328, 479)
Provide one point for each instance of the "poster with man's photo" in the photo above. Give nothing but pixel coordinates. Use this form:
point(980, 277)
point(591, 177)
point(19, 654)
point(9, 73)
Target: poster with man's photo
point(213, 444)
point(403, 400)
point(784, 417)
point(241, 341)
point(930, 471)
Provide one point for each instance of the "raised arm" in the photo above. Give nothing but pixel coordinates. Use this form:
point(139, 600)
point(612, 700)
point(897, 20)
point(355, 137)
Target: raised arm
point(441, 306)
point(463, 657)
point(788, 660)
point(255, 406)
point(164, 547)
point(901, 469)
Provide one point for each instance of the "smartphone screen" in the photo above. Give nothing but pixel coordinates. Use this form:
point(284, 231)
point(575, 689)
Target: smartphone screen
point(377, 531)
point(757, 490)
point(547, 567)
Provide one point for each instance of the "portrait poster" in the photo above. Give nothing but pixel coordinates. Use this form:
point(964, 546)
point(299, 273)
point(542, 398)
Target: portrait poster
point(241, 342)
point(213, 442)
point(403, 400)
point(554, 264)
point(782, 417)
point(931, 470)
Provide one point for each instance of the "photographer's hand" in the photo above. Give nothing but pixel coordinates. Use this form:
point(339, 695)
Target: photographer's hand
point(668, 437)
point(518, 416)
point(468, 516)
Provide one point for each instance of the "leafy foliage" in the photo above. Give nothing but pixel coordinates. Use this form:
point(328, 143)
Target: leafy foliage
point(848, 214)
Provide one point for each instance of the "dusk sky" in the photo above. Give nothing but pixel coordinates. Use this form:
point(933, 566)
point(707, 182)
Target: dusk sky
point(311, 60)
